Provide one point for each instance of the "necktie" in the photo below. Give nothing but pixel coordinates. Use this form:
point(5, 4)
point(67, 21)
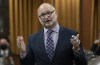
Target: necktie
point(50, 45)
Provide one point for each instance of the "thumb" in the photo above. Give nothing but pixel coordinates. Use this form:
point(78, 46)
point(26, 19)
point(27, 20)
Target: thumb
point(77, 35)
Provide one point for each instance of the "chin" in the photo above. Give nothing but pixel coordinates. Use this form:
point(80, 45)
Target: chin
point(49, 25)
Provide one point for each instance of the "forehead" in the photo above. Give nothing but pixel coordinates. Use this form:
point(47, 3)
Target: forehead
point(45, 8)
point(3, 40)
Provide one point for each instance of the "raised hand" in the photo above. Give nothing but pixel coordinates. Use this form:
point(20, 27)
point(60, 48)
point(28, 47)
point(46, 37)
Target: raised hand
point(75, 42)
point(21, 44)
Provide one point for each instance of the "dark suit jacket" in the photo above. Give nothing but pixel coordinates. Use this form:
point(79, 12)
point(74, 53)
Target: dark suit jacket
point(64, 54)
point(96, 49)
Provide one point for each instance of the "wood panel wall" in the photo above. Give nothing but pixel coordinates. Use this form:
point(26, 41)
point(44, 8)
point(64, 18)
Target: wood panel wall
point(87, 26)
point(24, 20)
point(98, 15)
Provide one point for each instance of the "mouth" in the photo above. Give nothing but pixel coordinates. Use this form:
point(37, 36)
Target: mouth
point(47, 21)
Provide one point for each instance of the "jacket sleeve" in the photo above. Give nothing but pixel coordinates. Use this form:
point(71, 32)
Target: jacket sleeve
point(80, 57)
point(29, 59)
point(94, 47)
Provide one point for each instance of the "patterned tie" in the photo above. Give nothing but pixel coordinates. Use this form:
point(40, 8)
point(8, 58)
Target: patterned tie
point(50, 45)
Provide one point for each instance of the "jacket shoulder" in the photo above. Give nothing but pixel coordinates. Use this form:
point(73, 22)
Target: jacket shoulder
point(35, 35)
point(69, 31)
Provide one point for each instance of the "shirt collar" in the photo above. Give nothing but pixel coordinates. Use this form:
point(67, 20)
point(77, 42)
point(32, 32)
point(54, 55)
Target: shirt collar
point(55, 29)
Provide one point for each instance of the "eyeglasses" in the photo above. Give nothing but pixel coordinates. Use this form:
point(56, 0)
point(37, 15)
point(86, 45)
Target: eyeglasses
point(47, 14)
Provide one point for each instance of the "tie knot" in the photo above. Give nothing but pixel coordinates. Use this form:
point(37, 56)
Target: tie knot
point(50, 31)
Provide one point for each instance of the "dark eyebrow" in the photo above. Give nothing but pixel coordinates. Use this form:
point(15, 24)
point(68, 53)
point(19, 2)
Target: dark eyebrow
point(44, 13)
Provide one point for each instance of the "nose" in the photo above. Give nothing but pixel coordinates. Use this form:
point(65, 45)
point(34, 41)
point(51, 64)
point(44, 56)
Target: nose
point(47, 16)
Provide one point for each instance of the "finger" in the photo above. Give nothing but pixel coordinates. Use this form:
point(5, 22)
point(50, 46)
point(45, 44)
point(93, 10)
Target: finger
point(18, 41)
point(77, 36)
point(18, 45)
point(18, 38)
point(74, 42)
point(21, 39)
point(77, 41)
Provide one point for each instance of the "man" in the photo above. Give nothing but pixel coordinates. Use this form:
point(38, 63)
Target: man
point(4, 46)
point(53, 45)
point(5, 51)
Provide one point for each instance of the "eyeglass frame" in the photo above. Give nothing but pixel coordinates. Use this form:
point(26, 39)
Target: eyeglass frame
point(47, 14)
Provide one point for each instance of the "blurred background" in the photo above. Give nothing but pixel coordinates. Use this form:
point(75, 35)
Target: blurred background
point(19, 17)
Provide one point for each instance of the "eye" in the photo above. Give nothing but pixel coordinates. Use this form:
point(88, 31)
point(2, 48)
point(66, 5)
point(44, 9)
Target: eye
point(49, 13)
point(42, 15)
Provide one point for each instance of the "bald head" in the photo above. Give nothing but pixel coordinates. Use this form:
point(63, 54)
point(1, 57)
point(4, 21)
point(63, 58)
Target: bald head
point(44, 7)
point(47, 15)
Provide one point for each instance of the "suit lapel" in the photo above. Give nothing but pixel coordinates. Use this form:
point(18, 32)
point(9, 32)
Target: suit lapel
point(59, 42)
point(42, 44)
